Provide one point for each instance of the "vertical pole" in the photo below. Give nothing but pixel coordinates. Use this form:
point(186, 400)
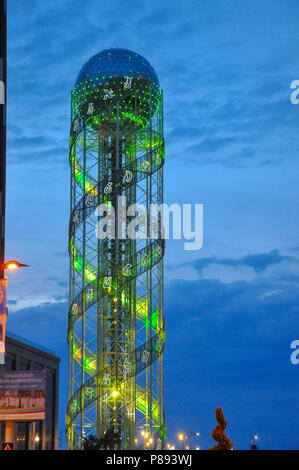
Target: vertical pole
point(3, 81)
point(9, 425)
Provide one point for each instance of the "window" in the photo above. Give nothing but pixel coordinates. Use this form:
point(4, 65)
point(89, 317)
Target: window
point(10, 362)
point(24, 364)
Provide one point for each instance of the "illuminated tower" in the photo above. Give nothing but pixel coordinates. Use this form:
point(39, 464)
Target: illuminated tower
point(116, 329)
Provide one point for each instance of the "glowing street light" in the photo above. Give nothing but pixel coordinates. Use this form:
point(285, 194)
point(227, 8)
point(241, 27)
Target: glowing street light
point(182, 438)
point(12, 265)
point(8, 265)
point(254, 438)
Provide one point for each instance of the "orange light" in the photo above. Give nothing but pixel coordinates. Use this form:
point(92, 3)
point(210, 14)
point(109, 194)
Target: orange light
point(12, 266)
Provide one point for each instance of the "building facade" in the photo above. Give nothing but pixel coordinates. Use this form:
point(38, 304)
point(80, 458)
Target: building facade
point(22, 355)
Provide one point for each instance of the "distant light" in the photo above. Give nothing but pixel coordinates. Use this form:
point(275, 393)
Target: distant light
point(136, 440)
point(197, 448)
point(36, 439)
point(115, 393)
point(197, 433)
point(181, 437)
point(256, 437)
point(150, 440)
point(142, 433)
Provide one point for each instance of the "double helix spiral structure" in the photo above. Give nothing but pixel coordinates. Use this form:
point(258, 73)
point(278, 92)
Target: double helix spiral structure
point(116, 332)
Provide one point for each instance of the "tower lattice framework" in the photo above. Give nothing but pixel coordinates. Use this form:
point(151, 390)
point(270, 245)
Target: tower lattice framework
point(116, 331)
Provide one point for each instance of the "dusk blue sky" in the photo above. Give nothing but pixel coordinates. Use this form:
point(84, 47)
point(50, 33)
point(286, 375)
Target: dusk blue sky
point(231, 136)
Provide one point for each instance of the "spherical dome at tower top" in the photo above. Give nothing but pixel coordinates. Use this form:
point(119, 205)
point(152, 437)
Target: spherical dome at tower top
point(116, 63)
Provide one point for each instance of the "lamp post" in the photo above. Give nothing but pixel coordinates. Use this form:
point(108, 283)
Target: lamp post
point(192, 435)
point(3, 74)
point(9, 265)
point(13, 264)
point(3, 77)
point(182, 438)
point(254, 438)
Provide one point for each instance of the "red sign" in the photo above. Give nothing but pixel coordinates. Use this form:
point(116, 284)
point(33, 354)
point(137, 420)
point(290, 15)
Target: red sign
point(7, 446)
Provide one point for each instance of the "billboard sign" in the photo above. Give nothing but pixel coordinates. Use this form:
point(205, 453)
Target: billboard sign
point(22, 395)
point(3, 293)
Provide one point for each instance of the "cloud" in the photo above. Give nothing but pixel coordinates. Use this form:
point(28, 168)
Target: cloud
point(228, 344)
point(211, 145)
point(258, 262)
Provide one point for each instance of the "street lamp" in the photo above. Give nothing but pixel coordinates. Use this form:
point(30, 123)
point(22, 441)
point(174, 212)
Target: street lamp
point(192, 435)
point(182, 437)
point(253, 446)
point(10, 265)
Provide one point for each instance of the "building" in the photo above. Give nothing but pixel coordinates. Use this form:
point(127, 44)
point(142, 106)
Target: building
point(116, 331)
point(22, 355)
